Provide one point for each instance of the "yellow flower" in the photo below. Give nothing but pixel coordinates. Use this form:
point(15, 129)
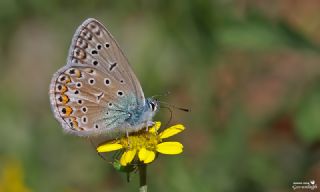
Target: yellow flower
point(145, 144)
point(12, 177)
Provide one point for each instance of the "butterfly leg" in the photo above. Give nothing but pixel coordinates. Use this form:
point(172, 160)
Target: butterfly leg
point(148, 124)
point(127, 133)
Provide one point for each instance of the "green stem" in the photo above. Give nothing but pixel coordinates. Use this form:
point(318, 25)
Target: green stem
point(143, 178)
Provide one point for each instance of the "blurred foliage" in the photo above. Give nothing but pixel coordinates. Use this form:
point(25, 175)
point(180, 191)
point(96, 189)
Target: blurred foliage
point(249, 71)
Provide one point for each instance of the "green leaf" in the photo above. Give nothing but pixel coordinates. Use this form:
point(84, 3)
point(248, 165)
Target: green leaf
point(308, 119)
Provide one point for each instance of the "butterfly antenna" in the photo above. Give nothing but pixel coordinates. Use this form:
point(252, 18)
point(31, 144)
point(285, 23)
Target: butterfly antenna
point(173, 106)
point(161, 95)
point(169, 109)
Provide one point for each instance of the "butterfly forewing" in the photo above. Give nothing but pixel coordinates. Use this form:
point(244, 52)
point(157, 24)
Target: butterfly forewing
point(94, 45)
point(90, 93)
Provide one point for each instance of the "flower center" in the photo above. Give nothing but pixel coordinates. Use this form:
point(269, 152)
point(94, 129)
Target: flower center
point(141, 139)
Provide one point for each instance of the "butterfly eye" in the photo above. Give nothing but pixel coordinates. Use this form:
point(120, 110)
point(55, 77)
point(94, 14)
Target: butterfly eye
point(153, 106)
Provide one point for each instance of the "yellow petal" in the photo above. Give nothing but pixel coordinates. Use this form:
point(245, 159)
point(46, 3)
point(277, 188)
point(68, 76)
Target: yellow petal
point(127, 157)
point(170, 148)
point(155, 127)
point(171, 131)
point(142, 154)
point(150, 157)
point(109, 147)
point(146, 156)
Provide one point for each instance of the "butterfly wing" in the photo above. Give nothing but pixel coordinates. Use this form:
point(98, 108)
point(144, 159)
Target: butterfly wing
point(93, 92)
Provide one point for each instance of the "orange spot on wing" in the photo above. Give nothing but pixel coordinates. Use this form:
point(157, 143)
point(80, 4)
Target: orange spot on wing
point(68, 111)
point(65, 99)
point(64, 89)
point(73, 118)
point(75, 124)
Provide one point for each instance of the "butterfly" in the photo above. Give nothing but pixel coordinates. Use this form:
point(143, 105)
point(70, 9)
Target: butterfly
point(97, 92)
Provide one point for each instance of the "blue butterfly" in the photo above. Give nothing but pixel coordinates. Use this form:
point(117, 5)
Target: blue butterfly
point(96, 92)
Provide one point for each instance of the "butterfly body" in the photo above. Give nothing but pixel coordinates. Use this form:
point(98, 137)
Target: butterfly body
point(131, 117)
point(96, 92)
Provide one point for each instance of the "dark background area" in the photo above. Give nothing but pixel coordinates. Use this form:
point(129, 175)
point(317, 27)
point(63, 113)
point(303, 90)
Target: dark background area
point(248, 69)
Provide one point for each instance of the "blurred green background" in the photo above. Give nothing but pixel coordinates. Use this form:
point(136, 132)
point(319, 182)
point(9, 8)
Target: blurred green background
point(248, 69)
